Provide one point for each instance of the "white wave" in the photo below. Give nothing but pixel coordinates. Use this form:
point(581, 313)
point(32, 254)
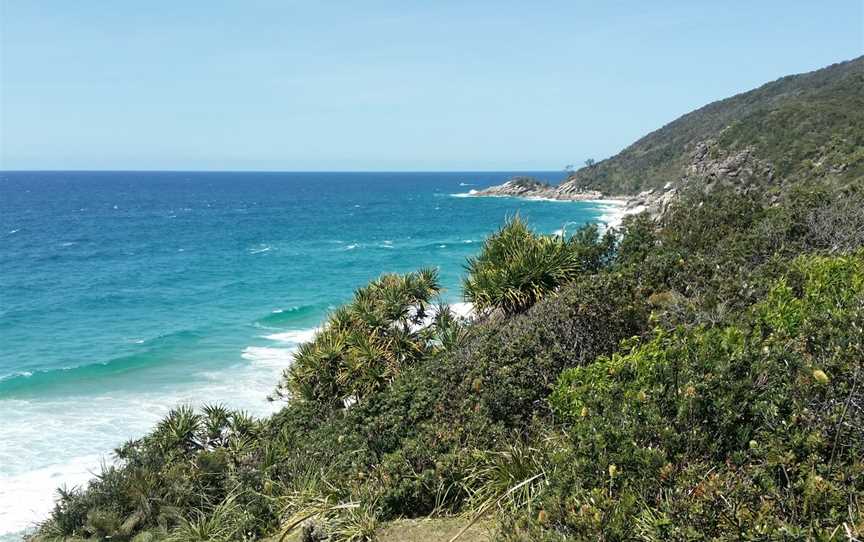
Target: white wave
point(466, 184)
point(259, 250)
point(14, 231)
point(268, 357)
point(613, 212)
point(68, 437)
point(297, 336)
point(464, 194)
point(462, 309)
point(22, 498)
point(352, 246)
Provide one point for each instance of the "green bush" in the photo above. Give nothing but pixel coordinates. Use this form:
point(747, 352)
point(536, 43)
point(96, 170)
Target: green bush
point(516, 267)
point(753, 429)
point(365, 344)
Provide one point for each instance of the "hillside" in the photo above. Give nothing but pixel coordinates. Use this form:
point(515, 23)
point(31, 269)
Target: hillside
point(805, 126)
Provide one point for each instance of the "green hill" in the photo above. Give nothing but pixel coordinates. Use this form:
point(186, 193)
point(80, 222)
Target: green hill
point(809, 125)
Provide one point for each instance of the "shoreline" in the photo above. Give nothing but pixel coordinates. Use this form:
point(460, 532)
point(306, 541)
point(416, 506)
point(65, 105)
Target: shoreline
point(617, 207)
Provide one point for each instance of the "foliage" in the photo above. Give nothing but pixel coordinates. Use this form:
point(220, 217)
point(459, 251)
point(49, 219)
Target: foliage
point(517, 267)
point(365, 344)
point(696, 378)
point(725, 431)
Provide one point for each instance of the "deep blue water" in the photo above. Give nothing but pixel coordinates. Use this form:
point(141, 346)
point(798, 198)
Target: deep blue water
point(124, 293)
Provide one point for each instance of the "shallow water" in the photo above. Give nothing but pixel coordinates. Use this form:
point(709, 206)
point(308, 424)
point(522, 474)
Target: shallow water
point(123, 294)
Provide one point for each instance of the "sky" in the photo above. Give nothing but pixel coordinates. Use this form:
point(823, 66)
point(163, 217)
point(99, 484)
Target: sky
point(383, 85)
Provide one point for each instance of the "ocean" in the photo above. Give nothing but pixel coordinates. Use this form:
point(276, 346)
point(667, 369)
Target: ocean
point(123, 294)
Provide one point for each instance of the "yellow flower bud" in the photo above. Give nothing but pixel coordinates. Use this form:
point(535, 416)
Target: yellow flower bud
point(613, 470)
point(820, 376)
point(584, 412)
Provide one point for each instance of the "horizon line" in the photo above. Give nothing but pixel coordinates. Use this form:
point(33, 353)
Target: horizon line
point(561, 170)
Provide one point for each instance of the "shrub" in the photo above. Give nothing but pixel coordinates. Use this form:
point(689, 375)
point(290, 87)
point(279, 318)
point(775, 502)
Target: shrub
point(365, 344)
point(516, 267)
point(753, 429)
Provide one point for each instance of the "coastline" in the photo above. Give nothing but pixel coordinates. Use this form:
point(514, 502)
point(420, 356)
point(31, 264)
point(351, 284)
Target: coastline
point(614, 208)
point(238, 357)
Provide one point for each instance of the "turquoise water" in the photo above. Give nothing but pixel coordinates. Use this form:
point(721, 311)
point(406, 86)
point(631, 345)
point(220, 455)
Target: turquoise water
point(125, 293)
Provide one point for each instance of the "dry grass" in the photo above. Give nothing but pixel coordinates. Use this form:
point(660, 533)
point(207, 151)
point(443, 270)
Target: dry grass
point(433, 530)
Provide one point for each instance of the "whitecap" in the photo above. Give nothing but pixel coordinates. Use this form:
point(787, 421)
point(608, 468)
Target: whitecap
point(294, 336)
point(22, 499)
point(14, 231)
point(266, 356)
point(466, 184)
point(259, 250)
point(464, 194)
point(351, 246)
point(66, 442)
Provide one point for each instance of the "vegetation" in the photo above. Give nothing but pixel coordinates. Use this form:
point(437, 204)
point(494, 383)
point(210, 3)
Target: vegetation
point(516, 268)
point(696, 378)
point(806, 126)
point(692, 376)
point(365, 344)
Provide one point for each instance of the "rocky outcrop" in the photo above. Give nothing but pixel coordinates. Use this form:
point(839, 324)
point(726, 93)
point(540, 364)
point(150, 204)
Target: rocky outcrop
point(712, 167)
point(530, 188)
point(709, 168)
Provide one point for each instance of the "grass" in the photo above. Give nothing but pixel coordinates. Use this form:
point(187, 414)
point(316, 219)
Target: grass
point(433, 530)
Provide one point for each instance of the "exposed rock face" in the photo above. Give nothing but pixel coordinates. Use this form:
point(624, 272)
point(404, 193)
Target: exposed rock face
point(711, 168)
point(526, 187)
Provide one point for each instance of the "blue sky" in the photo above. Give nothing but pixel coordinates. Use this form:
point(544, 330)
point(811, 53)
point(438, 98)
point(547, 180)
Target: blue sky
point(382, 85)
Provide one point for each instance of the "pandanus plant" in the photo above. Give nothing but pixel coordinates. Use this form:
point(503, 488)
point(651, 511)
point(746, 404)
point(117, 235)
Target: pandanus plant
point(365, 344)
point(517, 267)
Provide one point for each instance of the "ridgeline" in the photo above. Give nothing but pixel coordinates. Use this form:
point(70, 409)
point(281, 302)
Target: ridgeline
point(801, 127)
